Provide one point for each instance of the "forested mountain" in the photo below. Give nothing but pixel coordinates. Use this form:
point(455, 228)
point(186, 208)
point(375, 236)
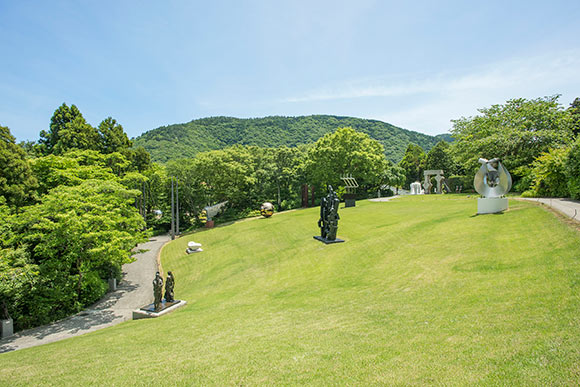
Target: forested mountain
point(186, 140)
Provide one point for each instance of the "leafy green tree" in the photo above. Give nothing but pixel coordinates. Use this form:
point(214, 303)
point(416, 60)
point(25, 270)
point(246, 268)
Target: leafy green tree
point(68, 130)
point(346, 151)
point(112, 136)
point(71, 168)
point(572, 168)
point(548, 174)
point(440, 157)
point(17, 182)
point(139, 158)
point(574, 110)
point(517, 132)
point(78, 237)
point(413, 163)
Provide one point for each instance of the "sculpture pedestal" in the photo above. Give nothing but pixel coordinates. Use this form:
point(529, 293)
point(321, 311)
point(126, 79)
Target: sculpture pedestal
point(491, 205)
point(148, 311)
point(327, 241)
point(6, 328)
point(349, 200)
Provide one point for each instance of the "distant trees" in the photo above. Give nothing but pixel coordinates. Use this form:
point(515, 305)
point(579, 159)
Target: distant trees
point(112, 137)
point(69, 130)
point(17, 182)
point(346, 151)
point(186, 140)
point(441, 157)
point(413, 163)
point(517, 132)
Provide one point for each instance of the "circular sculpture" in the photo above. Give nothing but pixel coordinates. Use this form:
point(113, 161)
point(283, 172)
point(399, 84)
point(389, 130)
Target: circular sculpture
point(492, 180)
point(267, 209)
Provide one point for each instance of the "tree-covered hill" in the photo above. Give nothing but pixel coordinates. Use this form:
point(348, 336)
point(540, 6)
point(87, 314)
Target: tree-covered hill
point(186, 140)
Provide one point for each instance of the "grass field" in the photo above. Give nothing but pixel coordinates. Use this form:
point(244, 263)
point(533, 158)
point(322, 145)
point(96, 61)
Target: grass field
point(422, 292)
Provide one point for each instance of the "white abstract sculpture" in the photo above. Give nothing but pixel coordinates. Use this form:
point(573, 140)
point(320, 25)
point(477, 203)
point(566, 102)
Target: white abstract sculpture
point(415, 188)
point(193, 247)
point(492, 181)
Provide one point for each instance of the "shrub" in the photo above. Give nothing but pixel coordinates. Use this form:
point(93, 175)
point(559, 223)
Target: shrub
point(572, 169)
point(548, 174)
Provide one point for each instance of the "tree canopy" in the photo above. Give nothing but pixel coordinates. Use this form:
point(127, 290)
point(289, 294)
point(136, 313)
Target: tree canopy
point(517, 132)
point(346, 151)
point(17, 182)
point(413, 163)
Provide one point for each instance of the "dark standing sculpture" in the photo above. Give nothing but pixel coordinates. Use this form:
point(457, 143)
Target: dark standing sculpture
point(157, 291)
point(169, 284)
point(329, 217)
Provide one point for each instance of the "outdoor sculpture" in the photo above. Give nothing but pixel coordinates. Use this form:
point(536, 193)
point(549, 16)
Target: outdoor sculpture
point(169, 284)
point(438, 173)
point(415, 188)
point(157, 291)
point(193, 247)
point(492, 181)
point(267, 209)
point(159, 306)
point(329, 217)
point(350, 185)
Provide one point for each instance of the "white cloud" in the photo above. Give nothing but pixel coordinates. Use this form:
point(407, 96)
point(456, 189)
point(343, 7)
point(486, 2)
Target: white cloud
point(430, 103)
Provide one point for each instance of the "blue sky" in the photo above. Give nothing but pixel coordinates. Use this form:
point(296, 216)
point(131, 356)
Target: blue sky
point(415, 64)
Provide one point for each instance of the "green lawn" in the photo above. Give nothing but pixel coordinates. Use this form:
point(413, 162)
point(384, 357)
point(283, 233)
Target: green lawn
point(422, 292)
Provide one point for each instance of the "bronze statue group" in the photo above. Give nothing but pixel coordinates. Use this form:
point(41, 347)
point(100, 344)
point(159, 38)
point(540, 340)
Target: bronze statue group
point(158, 290)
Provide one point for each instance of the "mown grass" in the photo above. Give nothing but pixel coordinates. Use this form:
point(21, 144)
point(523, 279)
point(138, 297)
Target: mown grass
point(422, 292)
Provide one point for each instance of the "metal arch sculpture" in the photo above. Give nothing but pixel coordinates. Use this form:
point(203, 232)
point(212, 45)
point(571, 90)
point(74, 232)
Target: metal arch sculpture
point(492, 180)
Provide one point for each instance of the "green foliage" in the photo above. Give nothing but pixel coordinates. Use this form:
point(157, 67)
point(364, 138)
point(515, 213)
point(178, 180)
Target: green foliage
point(574, 110)
point(346, 151)
point(71, 168)
point(548, 176)
point(413, 163)
point(68, 130)
point(74, 235)
point(517, 132)
point(572, 168)
point(186, 140)
point(112, 136)
point(245, 176)
point(441, 157)
point(17, 182)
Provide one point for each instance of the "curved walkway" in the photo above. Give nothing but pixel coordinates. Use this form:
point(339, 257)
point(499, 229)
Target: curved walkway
point(568, 207)
point(134, 291)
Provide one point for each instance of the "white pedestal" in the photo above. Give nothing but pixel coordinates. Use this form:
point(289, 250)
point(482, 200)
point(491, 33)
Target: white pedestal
point(491, 205)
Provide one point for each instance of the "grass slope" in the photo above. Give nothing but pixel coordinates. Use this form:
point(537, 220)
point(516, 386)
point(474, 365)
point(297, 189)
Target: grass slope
point(422, 292)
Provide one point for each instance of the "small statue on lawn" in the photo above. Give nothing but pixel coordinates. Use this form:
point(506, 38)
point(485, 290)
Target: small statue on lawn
point(169, 284)
point(157, 291)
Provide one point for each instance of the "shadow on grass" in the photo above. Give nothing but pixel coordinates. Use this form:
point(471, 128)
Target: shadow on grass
point(100, 313)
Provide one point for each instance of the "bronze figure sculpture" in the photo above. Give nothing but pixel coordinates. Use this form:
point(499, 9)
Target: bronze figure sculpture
point(169, 284)
point(157, 291)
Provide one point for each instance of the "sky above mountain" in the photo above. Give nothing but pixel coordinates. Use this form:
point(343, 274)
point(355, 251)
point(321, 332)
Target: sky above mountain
point(416, 65)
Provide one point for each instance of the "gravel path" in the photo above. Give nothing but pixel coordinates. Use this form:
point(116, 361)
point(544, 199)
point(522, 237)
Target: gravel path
point(134, 291)
point(568, 207)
